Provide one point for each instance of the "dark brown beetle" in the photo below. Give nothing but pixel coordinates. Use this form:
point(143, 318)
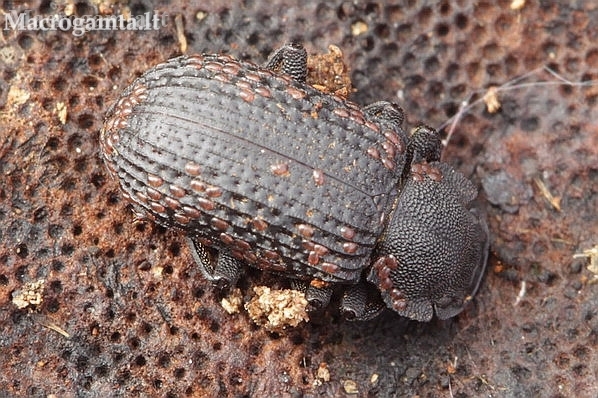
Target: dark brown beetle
point(256, 165)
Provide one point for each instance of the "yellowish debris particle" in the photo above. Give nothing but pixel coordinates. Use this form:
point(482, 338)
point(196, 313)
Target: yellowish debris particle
point(180, 33)
point(157, 271)
point(232, 304)
point(126, 12)
point(323, 373)
point(69, 9)
point(491, 100)
point(374, 379)
point(592, 254)
point(104, 7)
point(200, 15)
point(275, 310)
point(358, 28)
point(16, 96)
point(350, 387)
point(517, 5)
point(61, 111)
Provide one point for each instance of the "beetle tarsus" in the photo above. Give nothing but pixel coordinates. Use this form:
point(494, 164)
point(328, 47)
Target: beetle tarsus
point(361, 302)
point(290, 59)
point(226, 271)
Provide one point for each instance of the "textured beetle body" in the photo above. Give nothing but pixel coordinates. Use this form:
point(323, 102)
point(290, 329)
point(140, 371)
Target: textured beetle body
point(273, 173)
point(283, 176)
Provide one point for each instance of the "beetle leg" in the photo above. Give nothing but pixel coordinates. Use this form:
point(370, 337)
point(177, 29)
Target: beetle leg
point(290, 59)
point(361, 302)
point(227, 270)
point(317, 297)
point(425, 144)
point(386, 112)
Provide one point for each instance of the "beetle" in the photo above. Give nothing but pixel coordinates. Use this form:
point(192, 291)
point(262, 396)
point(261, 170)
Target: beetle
point(258, 168)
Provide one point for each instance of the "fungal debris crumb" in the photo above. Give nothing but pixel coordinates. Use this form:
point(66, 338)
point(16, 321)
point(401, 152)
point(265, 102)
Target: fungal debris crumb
point(30, 295)
point(491, 99)
point(275, 310)
point(328, 73)
point(233, 302)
